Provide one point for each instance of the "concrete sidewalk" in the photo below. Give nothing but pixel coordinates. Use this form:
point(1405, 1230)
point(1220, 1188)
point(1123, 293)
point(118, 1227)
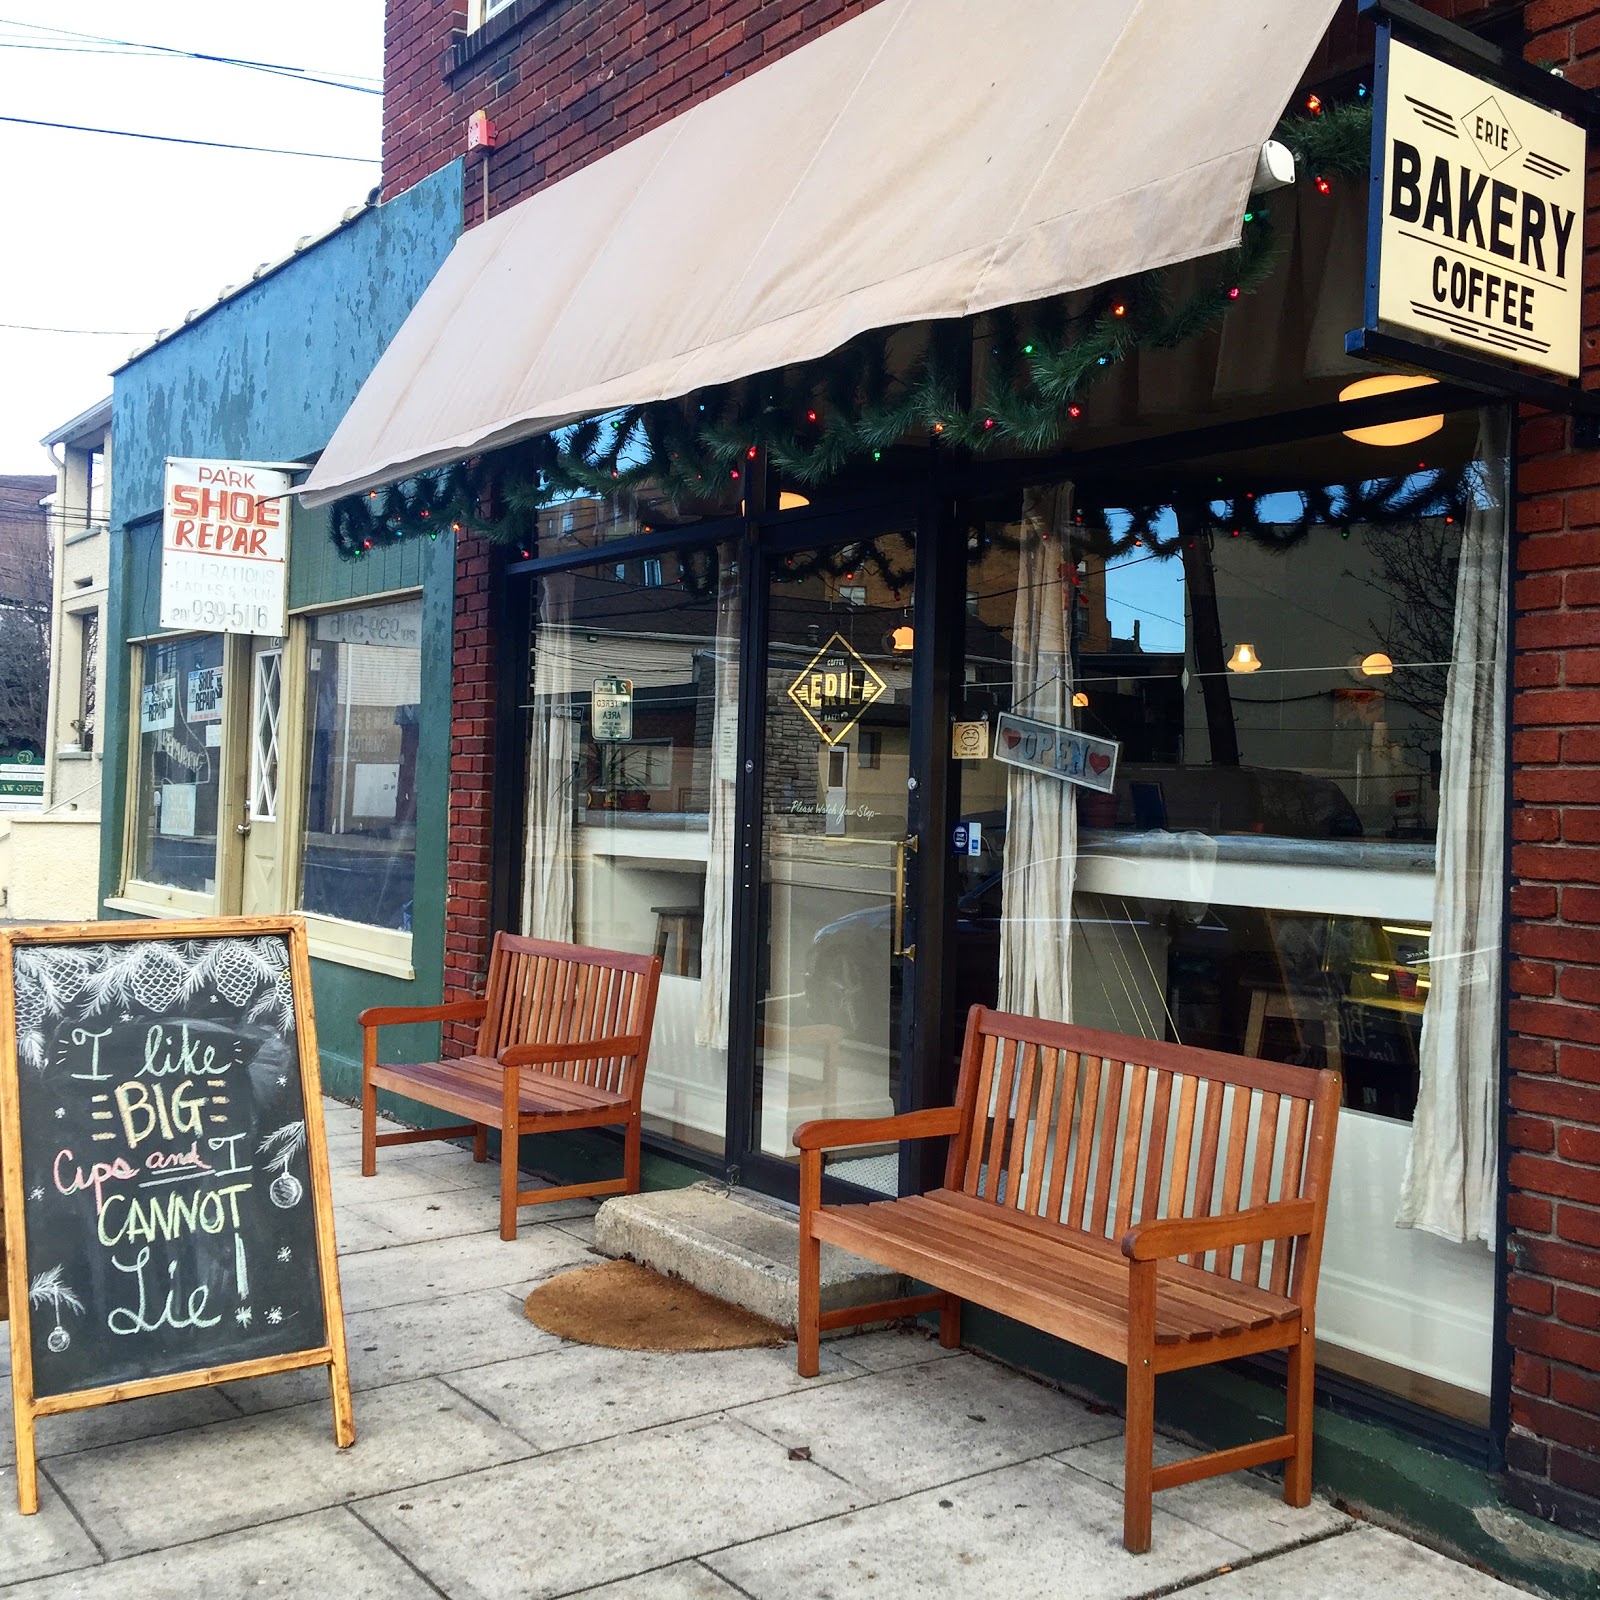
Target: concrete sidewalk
point(495, 1460)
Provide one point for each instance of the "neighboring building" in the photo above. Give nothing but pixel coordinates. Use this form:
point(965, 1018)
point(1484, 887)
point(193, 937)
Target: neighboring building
point(25, 547)
point(792, 316)
point(24, 613)
point(55, 854)
point(265, 773)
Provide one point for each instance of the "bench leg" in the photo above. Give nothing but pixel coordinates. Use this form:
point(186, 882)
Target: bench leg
point(480, 1144)
point(630, 1155)
point(1298, 1405)
point(510, 1105)
point(808, 1333)
point(1139, 1442)
point(369, 1128)
point(950, 1322)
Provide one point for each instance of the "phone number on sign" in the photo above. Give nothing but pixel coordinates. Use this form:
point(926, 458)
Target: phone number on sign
point(237, 616)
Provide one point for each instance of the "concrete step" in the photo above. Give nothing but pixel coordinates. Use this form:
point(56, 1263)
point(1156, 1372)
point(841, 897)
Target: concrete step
point(736, 1245)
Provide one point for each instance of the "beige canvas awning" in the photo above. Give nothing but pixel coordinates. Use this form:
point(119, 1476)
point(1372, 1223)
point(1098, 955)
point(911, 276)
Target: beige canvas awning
point(927, 159)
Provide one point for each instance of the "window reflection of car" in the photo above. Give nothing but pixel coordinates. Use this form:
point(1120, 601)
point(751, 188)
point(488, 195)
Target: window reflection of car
point(847, 955)
point(1270, 800)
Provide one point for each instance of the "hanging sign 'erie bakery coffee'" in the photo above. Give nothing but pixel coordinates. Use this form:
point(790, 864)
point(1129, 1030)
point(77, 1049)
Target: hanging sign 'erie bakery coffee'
point(224, 546)
point(1482, 196)
point(167, 1217)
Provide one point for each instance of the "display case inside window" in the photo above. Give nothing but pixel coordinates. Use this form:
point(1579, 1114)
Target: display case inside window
point(363, 695)
point(180, 764)
point(629, 829)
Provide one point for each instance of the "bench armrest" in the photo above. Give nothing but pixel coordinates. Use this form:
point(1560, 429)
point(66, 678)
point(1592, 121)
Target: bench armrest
point(390, 1016)
point(537, 1055)
point(1171, 1237)
point(842, 1132)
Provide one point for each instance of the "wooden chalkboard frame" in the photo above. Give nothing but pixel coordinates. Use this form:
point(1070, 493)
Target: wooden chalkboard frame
point(27, 1407)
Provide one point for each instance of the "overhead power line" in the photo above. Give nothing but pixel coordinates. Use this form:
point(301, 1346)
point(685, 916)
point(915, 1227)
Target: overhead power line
point(93, 333)
point(167, 138)
point(362, 84)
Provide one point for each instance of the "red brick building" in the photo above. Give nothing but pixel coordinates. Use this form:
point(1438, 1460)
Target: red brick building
point(566, 83)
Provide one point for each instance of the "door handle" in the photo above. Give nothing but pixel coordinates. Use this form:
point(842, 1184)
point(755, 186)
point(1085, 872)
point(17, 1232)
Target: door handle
point(902, 848)
point(242, 829)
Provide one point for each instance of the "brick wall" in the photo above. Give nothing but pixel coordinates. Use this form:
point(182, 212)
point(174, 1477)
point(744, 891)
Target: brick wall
point(466, 911)
point(1553, 1203)
point(569, 79)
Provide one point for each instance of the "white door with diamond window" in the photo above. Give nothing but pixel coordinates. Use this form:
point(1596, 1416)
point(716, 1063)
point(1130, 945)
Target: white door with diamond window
point(263, 867)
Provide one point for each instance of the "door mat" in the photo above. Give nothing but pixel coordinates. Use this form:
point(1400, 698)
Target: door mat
point(628, 1307)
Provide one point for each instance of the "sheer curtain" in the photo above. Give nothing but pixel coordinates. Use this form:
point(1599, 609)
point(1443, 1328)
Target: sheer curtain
point(1040, 857)
point(716, 935)
point(1449, 1186)
point(547, 852)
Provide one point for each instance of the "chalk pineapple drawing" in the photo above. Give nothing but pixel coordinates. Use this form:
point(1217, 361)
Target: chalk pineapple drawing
point(278, 1001)
point(47, 982)
point(48, 1288)
point(280, 1147)
point(152, 976)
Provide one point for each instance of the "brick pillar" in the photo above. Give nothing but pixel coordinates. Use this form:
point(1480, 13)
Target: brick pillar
point(467, 931)
point(1553, 1203)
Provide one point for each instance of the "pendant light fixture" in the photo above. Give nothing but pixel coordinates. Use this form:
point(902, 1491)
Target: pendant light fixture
point(1407, 431)
point(1244, 659)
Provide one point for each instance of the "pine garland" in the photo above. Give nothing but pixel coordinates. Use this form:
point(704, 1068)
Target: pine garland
point(814, 421)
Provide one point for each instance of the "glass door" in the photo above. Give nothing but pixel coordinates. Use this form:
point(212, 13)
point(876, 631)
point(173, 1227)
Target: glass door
point(837, 809)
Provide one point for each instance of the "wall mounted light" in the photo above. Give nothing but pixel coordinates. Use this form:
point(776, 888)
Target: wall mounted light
point(1407, 431)
point(902, 639)
point(1244, 659)
point(1080, 699)
point(788, 500)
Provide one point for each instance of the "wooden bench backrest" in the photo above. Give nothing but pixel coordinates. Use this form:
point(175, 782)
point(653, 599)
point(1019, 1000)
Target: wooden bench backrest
point(541, 992)
point(1100, 1131)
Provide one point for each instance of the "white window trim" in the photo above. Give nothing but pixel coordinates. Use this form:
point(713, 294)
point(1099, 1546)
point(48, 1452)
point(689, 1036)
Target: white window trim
point(480, 11)
point(159, 900)
point(356, 944)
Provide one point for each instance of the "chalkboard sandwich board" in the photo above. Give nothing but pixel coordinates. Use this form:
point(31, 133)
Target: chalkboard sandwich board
point(168, 1220)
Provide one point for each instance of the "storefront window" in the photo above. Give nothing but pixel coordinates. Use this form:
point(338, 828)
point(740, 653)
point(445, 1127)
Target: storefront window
point(631, 777)
point(1285, 658)
point(363, 676)
point(180, 764)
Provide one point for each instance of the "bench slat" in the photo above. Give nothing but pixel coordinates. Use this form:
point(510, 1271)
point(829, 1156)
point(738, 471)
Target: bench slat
point(1105, 1157)
point(1020, 1121)
point(1044, 1124)
point(1156, 1159)
point(1132, 1138)
point(1233, 1173)
point(1084, 1123)
point(922, 1233)
point(1182, 1147)
point(1063, 1133)
point(1294, 1151)
point(1256, 1300)
point(1210, 1140)
point(1261, 1176)
point(1068, 1270)
point(980, 1115)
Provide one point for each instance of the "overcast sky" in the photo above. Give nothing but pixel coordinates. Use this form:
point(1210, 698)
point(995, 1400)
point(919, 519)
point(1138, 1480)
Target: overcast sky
point(126, 234)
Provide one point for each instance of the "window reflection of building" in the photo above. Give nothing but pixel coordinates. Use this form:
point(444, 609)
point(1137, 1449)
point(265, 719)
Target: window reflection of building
point(1261, 881)
point(638, 810)
point(364, 689)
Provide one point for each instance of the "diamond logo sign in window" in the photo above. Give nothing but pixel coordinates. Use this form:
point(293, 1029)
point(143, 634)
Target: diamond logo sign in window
point(836, 688)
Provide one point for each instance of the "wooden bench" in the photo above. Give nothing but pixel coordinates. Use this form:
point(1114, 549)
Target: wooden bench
point(563, 1038)
point(1090, 1177)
